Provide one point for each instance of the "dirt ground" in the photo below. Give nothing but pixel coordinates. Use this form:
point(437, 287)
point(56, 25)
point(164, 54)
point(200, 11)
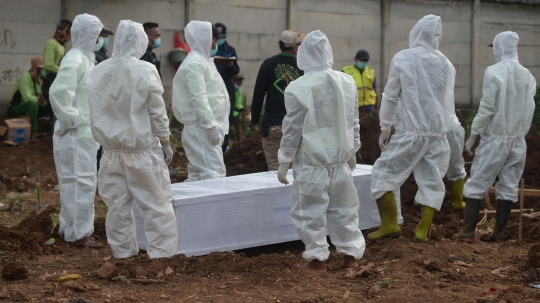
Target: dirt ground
point(392, 270)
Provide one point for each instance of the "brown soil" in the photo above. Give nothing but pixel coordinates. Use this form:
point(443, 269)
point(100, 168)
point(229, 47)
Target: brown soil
point(534, 256)
point(14, 271)
point(245, 157)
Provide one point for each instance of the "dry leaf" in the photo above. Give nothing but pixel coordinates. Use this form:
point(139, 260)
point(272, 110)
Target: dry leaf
point(168, 271)
point(346, 295)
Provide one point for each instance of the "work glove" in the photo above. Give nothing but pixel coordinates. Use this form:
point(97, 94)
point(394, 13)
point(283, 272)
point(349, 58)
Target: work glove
point(167, 151)
point(282, 173)
point(383, 139)
point(214, 136)
point(470, 143)
point(352, 162)
point(62, 132)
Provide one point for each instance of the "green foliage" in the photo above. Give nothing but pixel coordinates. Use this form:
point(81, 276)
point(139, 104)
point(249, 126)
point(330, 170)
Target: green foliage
point(466, 118)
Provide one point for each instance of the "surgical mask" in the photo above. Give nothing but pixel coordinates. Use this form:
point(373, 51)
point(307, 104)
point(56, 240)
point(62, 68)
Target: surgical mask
point(157, 43)
point(220, 42)
point(236, 86)
point(361, 64)
point(105, 41)
point(213, 52)
point(98, 45)
point(42, 73)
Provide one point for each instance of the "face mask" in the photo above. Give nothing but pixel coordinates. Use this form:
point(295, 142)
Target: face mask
point(220, 42)
point(213, 52)
point(42, 73)
point(236, 86)
point(157, 43)
point(98, 45)
point(361, 64)
point(105, 41)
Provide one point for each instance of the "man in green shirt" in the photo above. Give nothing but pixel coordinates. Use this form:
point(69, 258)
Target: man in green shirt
point(52, 55)
point(27, 99)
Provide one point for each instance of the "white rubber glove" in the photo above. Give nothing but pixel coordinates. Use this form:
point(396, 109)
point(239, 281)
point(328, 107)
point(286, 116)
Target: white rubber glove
point(352, 162)
point(470, 143)
point(384, 139)
point(214, 136)
point(62, 132)
point(167, 151)
point(282, 173)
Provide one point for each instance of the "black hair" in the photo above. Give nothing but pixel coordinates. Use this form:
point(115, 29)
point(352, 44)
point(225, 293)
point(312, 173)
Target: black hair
point(149, 25)
point(66, 21)
point(283, 48)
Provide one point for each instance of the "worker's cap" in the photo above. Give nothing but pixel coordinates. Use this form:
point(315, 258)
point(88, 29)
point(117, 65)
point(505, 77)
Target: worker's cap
point(238, 77)
point(290, 37)
point(37, 61)
point(222, 30)
point(105, 32)
point(362, 55)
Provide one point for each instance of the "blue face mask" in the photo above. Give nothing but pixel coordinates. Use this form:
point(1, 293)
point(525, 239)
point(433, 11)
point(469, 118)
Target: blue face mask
point(220, 42)
point(42, 73)
point(157, 43)
point(236, 86)
point(361, 65)
point(105, 41)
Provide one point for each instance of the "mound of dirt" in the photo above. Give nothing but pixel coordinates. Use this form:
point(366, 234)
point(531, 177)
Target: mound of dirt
point(245, 157)
point(534, 256)
point(14, 271)
point(28, 237)
point(369, 136)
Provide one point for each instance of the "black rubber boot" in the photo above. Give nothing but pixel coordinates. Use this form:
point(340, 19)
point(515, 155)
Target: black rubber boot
point(504, 207)
point(472, 207)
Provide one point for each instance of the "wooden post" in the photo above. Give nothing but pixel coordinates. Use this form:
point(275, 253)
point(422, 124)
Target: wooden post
point(521, 198)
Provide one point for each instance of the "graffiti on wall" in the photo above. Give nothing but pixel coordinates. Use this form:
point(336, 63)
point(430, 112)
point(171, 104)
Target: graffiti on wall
point(10, 75)
point(6, 39)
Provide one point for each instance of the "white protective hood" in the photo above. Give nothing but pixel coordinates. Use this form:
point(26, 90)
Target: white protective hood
point(130, 40)
point(505, 46)
point(84, 32)
point(426, 32)
point(419, 95)
point(199, 36)
point(315, 53)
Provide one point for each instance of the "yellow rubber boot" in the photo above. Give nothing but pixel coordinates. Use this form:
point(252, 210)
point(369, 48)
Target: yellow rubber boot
point(388, 212)
point(457, 194)
point(422, 229)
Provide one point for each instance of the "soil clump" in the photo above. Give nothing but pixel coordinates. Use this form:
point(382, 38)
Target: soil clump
point(14, 271)
point(245, 157)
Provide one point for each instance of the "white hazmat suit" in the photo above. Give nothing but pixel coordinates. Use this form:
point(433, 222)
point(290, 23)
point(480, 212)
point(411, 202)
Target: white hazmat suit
point(419, 101)
point(201, 103)
point(503, 119)
point(321, 132)
point(129, 118)
point(456, 140)
point(74, 147)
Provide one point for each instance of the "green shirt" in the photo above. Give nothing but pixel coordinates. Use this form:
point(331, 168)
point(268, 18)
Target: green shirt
point(25, 85)
point(52, 55)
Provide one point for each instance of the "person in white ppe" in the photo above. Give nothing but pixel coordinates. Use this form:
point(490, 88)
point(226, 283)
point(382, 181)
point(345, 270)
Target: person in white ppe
point(418, 101)
point(503, 119)
point(74, 147)
point(456, 168)
point(201, 103)
point(321, 135)
point(129, 120)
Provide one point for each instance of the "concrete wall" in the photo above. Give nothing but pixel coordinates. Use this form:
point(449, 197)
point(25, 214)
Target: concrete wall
point(379, 26)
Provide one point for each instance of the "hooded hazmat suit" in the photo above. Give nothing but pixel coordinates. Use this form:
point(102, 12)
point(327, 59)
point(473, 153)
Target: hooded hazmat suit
point(129, 118)
point(456, 139)
point(320, 133)
point(74, 147)
point(419, 101)
point(503, 119)
point(201, 102)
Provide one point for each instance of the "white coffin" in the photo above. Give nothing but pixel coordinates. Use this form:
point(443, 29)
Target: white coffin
point(245, 211)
